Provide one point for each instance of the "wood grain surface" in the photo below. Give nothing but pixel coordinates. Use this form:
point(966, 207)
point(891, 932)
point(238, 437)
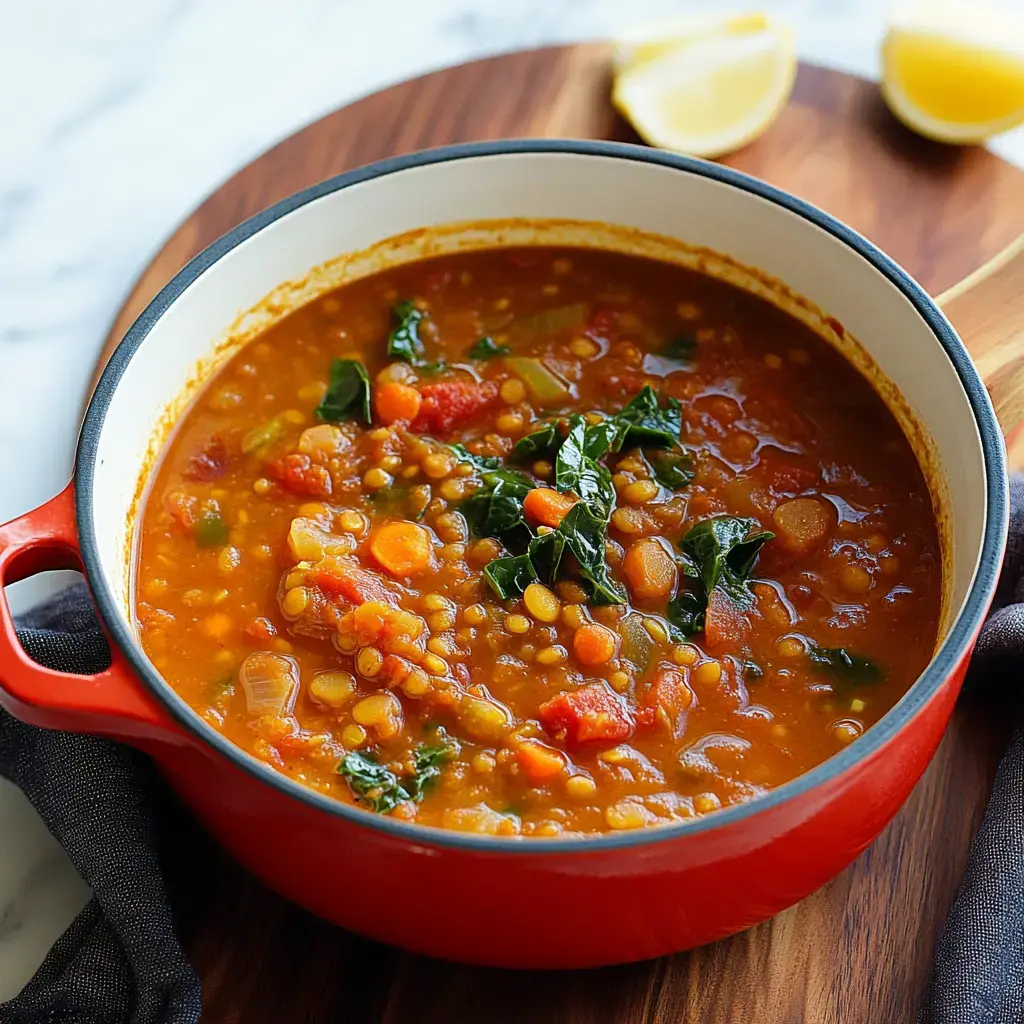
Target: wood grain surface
point(856, 952)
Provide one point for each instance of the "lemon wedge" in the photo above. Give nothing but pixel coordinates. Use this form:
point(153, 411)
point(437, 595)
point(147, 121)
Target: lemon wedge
point(708, 90)
point(634, 46)
point(955, 72)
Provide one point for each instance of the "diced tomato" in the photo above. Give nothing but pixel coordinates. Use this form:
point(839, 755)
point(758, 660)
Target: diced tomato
point(210, 462)
point(301, 475)
point(354, 585)
point(590, 713)
point(452, 403)
point(666, 699)
point(724, 623)
point(259, 630)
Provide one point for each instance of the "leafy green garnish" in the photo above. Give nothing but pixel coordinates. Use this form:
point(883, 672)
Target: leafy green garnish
point(217, 688)
point(718, 553)
point(381, 789)
point(682, 347)
point(538, 443)
point(487, 348)
point(576, 471)
point(545, 552)
point(850, 669)
point(510, 576)
point(426, 762)
point(348, 393)
point(673, 470)
point(724, 549)
point(405, 342)
point(211, 531)
point(496, 508)
point(644, 422)
point(480, 462)
point(584, 537)
point(751, 670)
point(371, 783)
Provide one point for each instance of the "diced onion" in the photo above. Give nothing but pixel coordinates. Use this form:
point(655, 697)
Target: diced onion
point(270, 683)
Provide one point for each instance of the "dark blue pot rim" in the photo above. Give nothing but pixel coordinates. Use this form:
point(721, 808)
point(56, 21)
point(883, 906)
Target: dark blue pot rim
point(952, 651)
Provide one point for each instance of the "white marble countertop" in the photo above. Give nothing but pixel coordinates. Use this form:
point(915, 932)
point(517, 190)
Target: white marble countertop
point(118, 117)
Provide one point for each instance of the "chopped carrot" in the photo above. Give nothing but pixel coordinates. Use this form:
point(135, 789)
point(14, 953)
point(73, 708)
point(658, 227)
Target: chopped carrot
point(538, 761)
point(403, 548)
point(397, 402)
point(593, 644)
point(802, 524)
point(547, 507)
point(650, 569)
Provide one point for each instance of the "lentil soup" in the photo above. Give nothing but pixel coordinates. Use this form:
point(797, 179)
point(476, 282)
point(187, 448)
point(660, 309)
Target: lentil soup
point(539, 541)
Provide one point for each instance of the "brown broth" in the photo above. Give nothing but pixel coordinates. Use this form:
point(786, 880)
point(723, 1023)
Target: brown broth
point(772, 417)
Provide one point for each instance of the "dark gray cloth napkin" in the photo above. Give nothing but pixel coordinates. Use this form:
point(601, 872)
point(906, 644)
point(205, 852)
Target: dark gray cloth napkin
point(120, 962)
point(979, 964)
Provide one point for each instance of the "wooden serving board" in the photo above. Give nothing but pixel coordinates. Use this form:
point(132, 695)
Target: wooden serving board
point(859, 949)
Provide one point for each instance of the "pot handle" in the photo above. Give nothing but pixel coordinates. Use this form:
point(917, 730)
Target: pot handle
point(112, 702)
point(987, 309)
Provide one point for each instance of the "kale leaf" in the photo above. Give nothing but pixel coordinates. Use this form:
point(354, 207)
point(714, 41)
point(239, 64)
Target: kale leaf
point(348, 393)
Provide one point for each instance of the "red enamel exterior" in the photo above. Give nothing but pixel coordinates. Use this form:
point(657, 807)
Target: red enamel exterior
point(620, 904)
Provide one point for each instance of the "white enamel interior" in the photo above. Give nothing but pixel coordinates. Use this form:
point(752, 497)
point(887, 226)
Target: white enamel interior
point(585, 187)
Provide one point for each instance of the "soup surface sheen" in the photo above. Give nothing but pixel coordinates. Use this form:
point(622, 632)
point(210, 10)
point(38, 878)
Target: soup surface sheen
point(537, 542)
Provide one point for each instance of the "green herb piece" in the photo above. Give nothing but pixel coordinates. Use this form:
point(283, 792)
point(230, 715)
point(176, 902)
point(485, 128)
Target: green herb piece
point(217, 688)
point(483, 463)
point(673, 470)
point(545, 551)
point(496, 508)
point(551, 321)
point(348, 393)
point(371, 783)
point(751, 670)
point(724, 549)
point(405, 342)
point(599, 438)
point(260, 437)
point(427, 762)
point(487, 348)
point(538, 443)
point(211, 531)
point(717, 553)
point(510, 576)
point(643, 422)
point(545, 386)
point(578, 472)
point(381, 789)
point(850, 669)
point(585, 539)
point(681, 347)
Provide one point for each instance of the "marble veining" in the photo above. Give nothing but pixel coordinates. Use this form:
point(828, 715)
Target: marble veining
point(117, 118)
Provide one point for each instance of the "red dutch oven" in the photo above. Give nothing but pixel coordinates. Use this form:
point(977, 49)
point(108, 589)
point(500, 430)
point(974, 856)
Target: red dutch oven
point(610, 898)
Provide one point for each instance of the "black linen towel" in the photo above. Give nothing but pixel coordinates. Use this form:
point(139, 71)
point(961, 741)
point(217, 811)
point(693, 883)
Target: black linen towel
point(120, 962)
